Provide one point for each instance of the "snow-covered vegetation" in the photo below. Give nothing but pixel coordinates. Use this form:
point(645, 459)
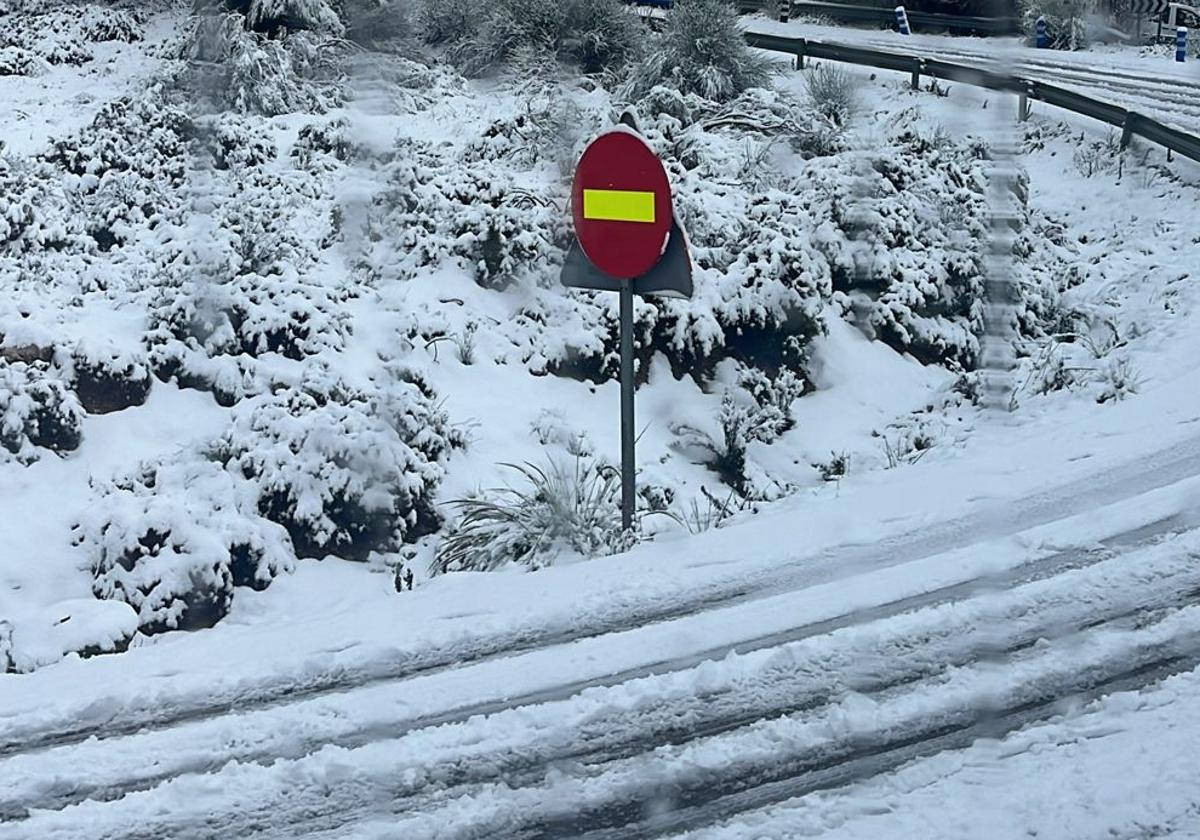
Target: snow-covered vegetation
point(314, 214)
point(1068, 23)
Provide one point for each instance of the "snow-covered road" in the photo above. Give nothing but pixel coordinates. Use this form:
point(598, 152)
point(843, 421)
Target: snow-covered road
point(1149, 86)
point(1011, 619)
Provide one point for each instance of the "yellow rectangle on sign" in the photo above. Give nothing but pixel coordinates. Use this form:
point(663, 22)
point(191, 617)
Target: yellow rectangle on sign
point(618, 206)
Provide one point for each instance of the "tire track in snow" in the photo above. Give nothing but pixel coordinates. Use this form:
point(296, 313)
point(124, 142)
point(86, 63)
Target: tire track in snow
point(862, 764)
point(155, 763)
point(921, 654)
point(1133, 478)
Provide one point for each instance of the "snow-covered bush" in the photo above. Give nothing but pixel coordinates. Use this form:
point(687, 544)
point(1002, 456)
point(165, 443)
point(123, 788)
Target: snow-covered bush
point(1119, 378)
point(1066, 21)
point(762, 418)
point(344, 472)
point(244, 281)
point(1097, 156)
point(561, 508)
point(36, 410)
point(15, 61)
point(248, 72)
point(34, 209)
point(249, 313)
point(173, 540)
point(594, 35)
point(107, 379)
point(435, 210)
point(448, 20)
point(833, 92)
point(7, 666)
point(914, 233)
point(236, 142)
point(129, 163)
point(60, 33)
point(324, 141)
point(274, 17)
point(701, 51)
point(379, 23)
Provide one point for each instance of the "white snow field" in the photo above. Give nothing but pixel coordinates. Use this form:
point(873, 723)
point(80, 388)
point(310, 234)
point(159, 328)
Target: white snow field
point(273, 305)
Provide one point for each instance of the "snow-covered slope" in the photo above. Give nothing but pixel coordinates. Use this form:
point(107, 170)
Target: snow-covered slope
point(271, 305)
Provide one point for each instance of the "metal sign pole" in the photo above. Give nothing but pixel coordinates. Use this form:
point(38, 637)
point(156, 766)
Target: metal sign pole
point(627, 388)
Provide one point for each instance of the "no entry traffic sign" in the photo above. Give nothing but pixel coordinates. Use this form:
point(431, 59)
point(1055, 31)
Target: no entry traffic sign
point(628, 242)
point(621, 203)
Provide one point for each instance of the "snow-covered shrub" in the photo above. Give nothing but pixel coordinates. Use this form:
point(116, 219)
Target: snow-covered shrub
point(246, 284)
point(250, 313)
point(274, 17)
point(914, 234)
point(435, 210)
point(1066, 21)
point(379, 23)
point(833, 92)
point(701, 51)
point(551, 429)
point(7, 666)
point(592, 34)
point(123, 205)
point(836, 468)
point(36, 410)
point(443, 21)
point(145, 135)
point(601, 34)
point(761, 419)
point(34, 209)
point(324, 141)
point(236, 142)
point(104, 23)
point(173, 540)
point(344, 472)
point(248, 72)
point(547, 128)
point(561, 508)
point(60, 33)
point(107, 379)
point(1119, 378)
point(15, 61)
point(1097, 156)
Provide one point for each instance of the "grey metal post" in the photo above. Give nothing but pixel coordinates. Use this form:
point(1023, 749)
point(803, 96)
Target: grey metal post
point(628, 488)
point(1128, 129)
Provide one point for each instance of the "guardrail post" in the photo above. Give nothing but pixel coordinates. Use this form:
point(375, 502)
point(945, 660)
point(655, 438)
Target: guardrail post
point(918, 69)
point(1022, 106)
point(800, 53)
point(1181, 44)
point(902, 21)
point(1043, 39)
point(1128, 128)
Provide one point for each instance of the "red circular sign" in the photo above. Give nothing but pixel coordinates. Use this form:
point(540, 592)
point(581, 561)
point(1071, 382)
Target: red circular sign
point(621, 201)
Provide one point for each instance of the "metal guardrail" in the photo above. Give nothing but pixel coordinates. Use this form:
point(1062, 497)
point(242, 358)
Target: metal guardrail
point(1131, 123)
point(883, 16)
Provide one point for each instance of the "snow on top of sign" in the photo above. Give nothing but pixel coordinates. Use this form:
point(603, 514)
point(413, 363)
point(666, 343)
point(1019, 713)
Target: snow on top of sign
point(621, 128)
